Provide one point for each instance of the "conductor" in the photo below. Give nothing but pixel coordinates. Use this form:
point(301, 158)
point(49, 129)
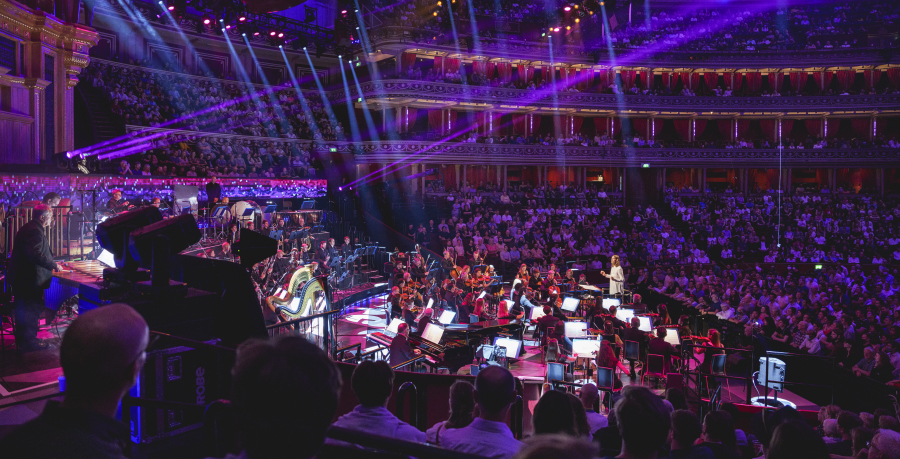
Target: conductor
point(30, 269)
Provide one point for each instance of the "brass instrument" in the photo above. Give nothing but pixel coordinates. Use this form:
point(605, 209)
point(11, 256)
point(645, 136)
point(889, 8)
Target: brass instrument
point(303, 285)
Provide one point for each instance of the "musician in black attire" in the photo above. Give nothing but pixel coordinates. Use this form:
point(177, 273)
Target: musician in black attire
point(322, 256)
point(30, 270)
point(659, 346)
point(333, 251)
point(51, 199)
point(400, 349)
point(447, 265)
point(346, 248)
point(213, 191)
point(417, 271)
point(116, 204)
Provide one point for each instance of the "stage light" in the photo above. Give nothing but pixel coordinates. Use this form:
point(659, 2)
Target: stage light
point(340, 188)
point(272, 33)
point(568, 8)
point(206, 21)
point(568, 27)
point(439, 3)
point(339, 56)
point(242, 18)
point(304, 48)
point(255, 34)
point(343, 11)
point(171, 7)
point(435, 13)
point(228, 26)
point(279, 46)
point(602, 3)
point(280, 35)
point(556, 29)
point(576, 7)
point(243, 35)
point(543, 34)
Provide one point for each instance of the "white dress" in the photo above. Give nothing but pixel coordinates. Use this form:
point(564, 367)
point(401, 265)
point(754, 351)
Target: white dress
point(616, 280)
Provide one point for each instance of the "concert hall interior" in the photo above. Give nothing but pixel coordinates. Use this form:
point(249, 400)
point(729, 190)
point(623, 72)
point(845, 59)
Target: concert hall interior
point(450, 229)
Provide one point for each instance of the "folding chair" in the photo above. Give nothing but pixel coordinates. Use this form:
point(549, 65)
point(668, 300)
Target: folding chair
point(718, 369)
point(606, 381)
point(632, 354)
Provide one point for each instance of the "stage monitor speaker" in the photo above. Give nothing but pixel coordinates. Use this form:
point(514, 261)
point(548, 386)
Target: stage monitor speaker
point(182, 232)
point(254, 248)
point(113, 234)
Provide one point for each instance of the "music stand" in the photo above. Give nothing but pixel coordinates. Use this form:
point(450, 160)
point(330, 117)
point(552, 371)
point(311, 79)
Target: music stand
point(308, 204)
point(219, 218)
point(270, 209)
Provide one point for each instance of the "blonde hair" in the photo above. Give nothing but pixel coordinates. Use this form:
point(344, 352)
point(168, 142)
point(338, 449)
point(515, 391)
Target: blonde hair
point(614, 261)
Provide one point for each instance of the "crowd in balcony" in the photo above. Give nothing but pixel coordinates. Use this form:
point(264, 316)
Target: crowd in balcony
point(185, 155)
point(820, 26)
point(145, 97)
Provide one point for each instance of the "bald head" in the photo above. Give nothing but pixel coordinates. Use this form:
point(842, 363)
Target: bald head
point(589, 395)
point(495, 389)
point(102, 351)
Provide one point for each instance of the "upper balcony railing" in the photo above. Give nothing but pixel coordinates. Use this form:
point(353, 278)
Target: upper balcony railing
point(479, 153)
point(386, 36)
point(511, 99)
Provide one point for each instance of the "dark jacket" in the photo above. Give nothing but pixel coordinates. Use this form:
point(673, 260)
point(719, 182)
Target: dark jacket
point(400, 350)
point(32, 262)
point(659, 346)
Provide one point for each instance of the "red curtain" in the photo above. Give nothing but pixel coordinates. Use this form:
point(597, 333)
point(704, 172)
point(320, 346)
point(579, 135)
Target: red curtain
point(754, 81)
point(508, 74)
point(407, 59)
point(817, 76)
point(640, 127)
point(600, 125)
point(699, 127)
point(519, 123)
point(743, 127)
point(683, 128)
point(843, 77)
point(711, 78)
point(867, 74)
point(828, 77)
point(768, 128)
point(434, 120)
point(833, 125)
point(657, 126)
point(861, 127)
point(529, 77)
point(814, 127)
point(577, 121)
point(726, 128)
point(452, 65)
point(604, 79)
point(803, 77)
point(786, 126)
point(738, 81)
point(523, 73)
point(481, 121)
point(589, 81)
point(438, 61)
point(535, 124)
point(410, 120)
point(695, 80)
point(665, 79)
point(501, 71)
point(795, 81)
point(894, 75)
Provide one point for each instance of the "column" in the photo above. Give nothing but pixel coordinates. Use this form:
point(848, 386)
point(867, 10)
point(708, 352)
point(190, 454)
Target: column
point(500, 175)
point(830, 178)
point(703, 180)
point(458, 178)
point(505, 178)
point(879, 180)
point(464, 167)
point(546, 173)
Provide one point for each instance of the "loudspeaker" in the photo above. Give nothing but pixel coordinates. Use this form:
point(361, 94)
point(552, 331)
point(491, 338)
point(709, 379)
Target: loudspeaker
point(254, 248)
point(182, 232)
point(113, 234)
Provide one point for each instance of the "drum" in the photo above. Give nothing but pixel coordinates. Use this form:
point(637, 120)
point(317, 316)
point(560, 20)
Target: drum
point(239, 208)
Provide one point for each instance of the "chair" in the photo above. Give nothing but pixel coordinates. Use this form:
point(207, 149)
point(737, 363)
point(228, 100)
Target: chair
point(606, 380)
point(632, 354)
point(655, 368)
point(718, 369)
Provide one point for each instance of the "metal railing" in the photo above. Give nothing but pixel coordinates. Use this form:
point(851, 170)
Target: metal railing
point(317, 328)
point(408, 388)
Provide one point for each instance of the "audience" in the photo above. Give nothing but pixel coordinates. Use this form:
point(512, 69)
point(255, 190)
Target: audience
point(102, 355)
point(553, 415)
point(643, 422)
point(372, 382)
point(718, 435)
point(794, 439)
point(590, 397)
point(488, 434)
point(287, 362)
point(685, 432)
point(462, 412)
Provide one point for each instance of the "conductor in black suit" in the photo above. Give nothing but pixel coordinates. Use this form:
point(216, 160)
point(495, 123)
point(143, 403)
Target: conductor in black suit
point(400, 349)
point(31, 267)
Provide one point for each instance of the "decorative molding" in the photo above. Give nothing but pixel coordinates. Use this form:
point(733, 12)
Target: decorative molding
point(405, 89)
point(469, 153)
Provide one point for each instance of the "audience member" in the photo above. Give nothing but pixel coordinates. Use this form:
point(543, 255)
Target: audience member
point(643, 422)
point(462, 411)
point(590, 397)
point(685, 431)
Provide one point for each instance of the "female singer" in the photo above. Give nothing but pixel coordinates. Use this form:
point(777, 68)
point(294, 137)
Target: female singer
point(616, 277)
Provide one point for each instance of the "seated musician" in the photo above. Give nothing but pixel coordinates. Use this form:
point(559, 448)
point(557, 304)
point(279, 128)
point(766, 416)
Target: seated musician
point(615, 320)
point(659, 346)
point(607, 358)
point(570, 280)
point(395, 300)
point(477, 258)
point(535, 281)
point(265, 229)
point(400, 349)
point(116, 204)
point(447, 264)
point(523, 275)
point(464, 283)
point(409, 305)
point(609, 334)
point(490, 308)
point(464, 307)
point(424, 319)
point(346, 248)
point(547, 322)
point(417, 270)
point(332, 249)
point(304, 255)
point(525, 297)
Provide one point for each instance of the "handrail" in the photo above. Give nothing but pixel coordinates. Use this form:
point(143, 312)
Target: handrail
point(517, 418)
point(302, 319)
point(194, 343)
point(413, 405)
point(401, 447)
point(340, 351)
point(373, 351)
point(408, 362)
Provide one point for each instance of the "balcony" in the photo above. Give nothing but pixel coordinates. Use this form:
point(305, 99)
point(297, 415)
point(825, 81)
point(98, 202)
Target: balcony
point(478, 153)
point(527, 100)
